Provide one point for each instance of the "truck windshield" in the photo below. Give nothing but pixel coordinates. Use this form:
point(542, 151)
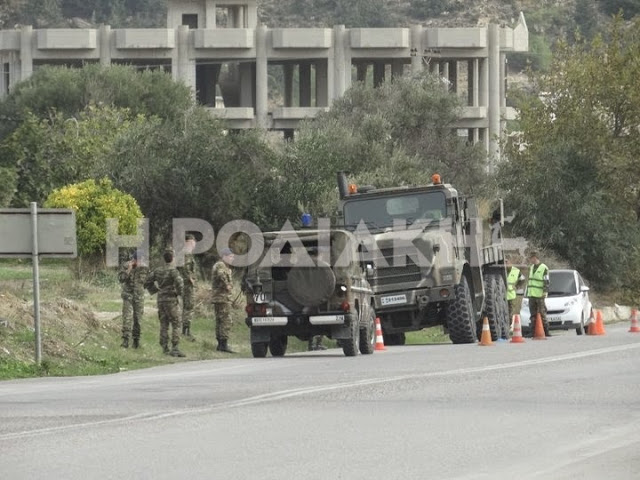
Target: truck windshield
point(382, 211)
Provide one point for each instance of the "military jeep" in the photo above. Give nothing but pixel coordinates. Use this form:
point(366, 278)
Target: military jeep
point(308, 283)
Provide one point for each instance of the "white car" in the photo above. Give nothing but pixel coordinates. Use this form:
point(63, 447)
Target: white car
point(568, 304)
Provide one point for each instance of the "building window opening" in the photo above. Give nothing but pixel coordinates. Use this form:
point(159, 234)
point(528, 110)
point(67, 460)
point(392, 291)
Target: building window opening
point(190, 20)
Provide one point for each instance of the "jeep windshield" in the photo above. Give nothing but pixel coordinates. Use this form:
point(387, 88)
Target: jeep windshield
point(383, 211)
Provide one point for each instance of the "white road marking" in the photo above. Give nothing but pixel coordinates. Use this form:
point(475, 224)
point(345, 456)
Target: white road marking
point(285, 394)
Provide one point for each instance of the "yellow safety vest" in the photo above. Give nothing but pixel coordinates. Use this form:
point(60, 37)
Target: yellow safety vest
point(512, 281)
point(535, 287)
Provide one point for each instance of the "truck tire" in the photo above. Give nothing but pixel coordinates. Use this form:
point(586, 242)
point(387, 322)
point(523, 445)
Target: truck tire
point(351, 346)
point(491, 307)
point(311, 286)
point(368, 335)
point(278, 346)
point(259, 350)
point(460, 315)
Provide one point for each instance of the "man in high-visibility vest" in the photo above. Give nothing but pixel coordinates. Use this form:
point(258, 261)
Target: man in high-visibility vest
point(537, 288)
point(515, 281)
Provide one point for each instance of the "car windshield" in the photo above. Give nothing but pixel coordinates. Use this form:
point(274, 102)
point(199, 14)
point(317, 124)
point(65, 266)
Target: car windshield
point(381, 212)
point(562, 284)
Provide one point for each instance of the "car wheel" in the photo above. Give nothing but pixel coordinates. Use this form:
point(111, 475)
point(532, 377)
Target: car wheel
point(580, 329)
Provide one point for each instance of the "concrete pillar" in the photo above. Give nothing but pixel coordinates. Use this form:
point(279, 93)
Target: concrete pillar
point(503, 80)
point(494, 90)
point(210, 15)
point(262, 79)
point(453, 75)
point(322, 83)
point(444, 70)
point(246, 84)
point(339, 82)
point(304, 69)
point(4, 66)
point(378, 73)
point(104, 39)
point(434, 66)
point(473, 75)
point(183, 65)
point(237, 16)
point(361, 72)
point(26, 52)
point(483, 82)
point(397, 68)
point(288, 84)
point(416, 49)
point(252, 16)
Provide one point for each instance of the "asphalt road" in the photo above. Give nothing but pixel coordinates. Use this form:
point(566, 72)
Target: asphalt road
point(563, 408)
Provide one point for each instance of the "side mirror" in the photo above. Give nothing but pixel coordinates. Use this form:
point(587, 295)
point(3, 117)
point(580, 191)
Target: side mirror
point(584, 288)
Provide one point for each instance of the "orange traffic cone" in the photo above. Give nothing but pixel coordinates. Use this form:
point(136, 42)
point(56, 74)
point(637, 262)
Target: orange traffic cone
point(379, 338)
point(485, 339)
point(599, 323)
point(538, 333)
point(517, 330)
point(592, 330)
point(635, 328)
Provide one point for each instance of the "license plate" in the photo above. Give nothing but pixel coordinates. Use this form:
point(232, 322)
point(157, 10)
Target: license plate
point(393, 300)
point(554, 319)
point(268, 321)
point(326, 320)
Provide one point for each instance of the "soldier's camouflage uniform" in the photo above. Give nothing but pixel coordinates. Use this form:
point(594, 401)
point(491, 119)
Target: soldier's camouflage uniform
point(188, 272)
point(222, 284)
point(168, 284)
point(132, 293)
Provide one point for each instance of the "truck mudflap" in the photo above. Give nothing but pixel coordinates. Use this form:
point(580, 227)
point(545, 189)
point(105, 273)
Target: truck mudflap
point(408, 299)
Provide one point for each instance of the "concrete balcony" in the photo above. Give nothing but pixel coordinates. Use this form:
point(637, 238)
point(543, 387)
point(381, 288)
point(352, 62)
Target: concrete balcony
point(145, 38)
point(9, 40)
point(302, 38)
point(474, 112)
point(456, 38)
point(235, 117)
point(379, 38)
point(290, 117)
point(234, 38)
point(66, 39)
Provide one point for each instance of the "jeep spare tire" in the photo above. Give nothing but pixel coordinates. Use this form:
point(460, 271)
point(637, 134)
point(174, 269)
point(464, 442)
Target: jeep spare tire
point(311, 286)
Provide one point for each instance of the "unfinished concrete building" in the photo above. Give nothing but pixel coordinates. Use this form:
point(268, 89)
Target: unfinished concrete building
point(232, 63)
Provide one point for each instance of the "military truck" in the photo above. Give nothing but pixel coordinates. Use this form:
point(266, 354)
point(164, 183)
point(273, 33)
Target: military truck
point(307, 283)
point(425, 259)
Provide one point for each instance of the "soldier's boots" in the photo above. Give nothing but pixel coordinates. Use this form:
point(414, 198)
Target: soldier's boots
point(223, 346)
point(125, 342)
point(176, 353)
point(136, 343)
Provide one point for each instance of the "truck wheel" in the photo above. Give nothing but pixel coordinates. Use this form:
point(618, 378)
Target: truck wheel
point(278, 346)
point(460, 321)
point(580, 329)
point(368, 335)
point(351, 346)
point(491, 308)
point(259, 350)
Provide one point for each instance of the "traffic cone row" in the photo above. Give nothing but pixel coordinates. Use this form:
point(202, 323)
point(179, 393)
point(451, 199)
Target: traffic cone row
point(379, 337)
point(635, 328)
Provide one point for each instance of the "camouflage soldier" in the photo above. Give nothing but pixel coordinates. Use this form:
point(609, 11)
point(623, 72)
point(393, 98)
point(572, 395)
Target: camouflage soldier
point(188, 272)
point(167, 283)
point(222, 285)
point(132, 277)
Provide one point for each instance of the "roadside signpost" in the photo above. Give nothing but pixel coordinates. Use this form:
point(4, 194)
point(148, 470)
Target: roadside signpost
point(29, 232)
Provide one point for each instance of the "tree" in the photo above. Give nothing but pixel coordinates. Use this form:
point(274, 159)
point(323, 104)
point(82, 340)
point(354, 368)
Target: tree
point(94, 203)
point(579, 148)
point(46, 154)
point(397, 134)
point(69, 91)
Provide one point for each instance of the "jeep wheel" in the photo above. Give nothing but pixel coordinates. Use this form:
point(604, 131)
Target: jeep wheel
point(368, 334)
point(351, 346)
point(460, 321)
point(491, 307)
point(259, 350)
point(278, 346)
